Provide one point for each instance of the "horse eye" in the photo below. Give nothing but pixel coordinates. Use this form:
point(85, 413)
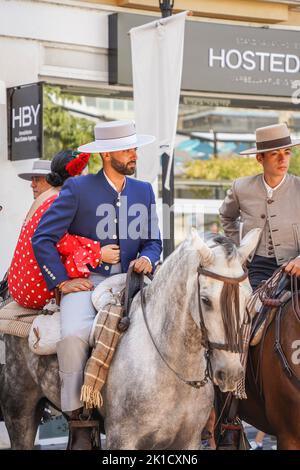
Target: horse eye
point(206, 301)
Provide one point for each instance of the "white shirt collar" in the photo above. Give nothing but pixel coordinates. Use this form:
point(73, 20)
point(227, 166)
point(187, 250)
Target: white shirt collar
point(112, 184)
point(271, 190)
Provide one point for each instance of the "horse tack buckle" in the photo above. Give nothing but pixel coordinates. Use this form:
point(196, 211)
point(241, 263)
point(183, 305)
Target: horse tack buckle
point(197, 383)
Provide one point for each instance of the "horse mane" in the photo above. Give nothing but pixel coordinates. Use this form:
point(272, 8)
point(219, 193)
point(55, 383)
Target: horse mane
point(227, 244)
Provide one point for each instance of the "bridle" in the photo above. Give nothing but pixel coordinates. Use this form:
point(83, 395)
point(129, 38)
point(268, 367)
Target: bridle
point(235, 343)
point(209, 346)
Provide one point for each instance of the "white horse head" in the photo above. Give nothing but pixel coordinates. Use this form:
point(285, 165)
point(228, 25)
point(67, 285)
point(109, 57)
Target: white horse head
point(222, 257)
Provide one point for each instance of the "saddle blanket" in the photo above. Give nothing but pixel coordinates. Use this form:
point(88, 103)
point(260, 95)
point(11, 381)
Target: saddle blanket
point(43, 330)
point(16, 320)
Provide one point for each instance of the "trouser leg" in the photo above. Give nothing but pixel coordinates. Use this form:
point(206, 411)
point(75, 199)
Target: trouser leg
point(260, 269)
point(77, 316)
point(72, 352)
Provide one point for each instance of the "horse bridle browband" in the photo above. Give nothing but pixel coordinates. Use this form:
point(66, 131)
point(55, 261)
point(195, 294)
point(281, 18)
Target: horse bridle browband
point(208, 345)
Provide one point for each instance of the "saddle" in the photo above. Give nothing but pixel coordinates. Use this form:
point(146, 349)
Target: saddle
point(42, 327)
point(268, 310)
point(273, 295)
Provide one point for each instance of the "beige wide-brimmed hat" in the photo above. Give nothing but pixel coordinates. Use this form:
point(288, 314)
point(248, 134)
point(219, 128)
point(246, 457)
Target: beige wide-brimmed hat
point(114, 136)
point(271, 138)
point(39, 168)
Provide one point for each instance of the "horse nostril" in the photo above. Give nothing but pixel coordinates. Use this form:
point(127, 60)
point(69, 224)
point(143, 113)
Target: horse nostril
point(220, 375)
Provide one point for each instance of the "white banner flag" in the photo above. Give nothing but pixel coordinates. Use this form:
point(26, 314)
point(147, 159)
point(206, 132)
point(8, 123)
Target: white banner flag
point(157, 54)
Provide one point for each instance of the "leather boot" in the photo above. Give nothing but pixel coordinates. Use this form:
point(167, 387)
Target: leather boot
point(84, 433)
point(229, 437)
point(232, 437)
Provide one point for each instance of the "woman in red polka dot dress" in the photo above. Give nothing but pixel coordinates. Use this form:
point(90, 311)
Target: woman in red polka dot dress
point(25, 280)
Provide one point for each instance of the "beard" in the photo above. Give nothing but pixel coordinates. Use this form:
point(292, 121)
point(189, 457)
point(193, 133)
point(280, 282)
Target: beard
point(123, 168)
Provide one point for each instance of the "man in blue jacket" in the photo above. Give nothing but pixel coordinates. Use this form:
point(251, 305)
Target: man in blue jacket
point(108, 207)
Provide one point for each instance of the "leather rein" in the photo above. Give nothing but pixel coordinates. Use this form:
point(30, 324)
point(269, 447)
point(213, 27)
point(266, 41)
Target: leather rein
point(208, 345)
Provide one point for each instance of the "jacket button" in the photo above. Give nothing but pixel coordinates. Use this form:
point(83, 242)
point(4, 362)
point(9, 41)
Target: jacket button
point(106, 268)
point(270, 253)
point(263, 216)
point(114, 237)
point(269, 201)
point(118, 204)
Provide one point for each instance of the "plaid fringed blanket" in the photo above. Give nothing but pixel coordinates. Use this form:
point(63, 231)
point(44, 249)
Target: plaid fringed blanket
point(106, 340)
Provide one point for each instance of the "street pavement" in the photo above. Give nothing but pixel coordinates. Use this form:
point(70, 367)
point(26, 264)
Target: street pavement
point(268, 444)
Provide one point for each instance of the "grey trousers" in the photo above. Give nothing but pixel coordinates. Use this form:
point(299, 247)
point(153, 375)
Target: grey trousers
point(77, 314)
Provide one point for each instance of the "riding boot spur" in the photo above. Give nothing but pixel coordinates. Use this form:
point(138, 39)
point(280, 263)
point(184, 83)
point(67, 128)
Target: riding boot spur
point(84, 432)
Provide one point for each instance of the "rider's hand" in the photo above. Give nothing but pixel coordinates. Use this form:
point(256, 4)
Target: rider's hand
point(76, 285)
point(141, 265)
point(110, 254)
point(293, 267)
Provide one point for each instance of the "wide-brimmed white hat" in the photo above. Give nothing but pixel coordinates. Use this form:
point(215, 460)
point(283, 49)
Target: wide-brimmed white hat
point(39, 168)
point(114, 136)
point(273, 137)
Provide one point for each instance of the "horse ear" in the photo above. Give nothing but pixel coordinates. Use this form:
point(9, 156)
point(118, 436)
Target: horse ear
point(249, 243)
point(198, 244)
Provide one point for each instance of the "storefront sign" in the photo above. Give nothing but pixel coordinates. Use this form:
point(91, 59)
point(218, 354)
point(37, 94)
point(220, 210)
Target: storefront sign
point(25, 121)
point(220, 58)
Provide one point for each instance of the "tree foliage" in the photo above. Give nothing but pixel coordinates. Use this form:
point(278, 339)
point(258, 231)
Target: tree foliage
point(232, 168)
point(64, 130)
point(295, 162)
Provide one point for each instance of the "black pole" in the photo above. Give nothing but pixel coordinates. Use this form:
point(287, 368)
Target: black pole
point(215, 144)
point(166, 8)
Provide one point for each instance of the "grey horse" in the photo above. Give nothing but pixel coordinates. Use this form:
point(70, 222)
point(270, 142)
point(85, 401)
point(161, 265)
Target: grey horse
point(146, 404)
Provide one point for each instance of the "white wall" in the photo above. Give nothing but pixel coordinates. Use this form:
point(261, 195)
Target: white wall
point(16, 198)
point(47, 41)
point(19, 61)
point(56, 22)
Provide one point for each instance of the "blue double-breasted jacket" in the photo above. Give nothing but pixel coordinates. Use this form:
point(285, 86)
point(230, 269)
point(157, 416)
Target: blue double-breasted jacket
point(90, 207)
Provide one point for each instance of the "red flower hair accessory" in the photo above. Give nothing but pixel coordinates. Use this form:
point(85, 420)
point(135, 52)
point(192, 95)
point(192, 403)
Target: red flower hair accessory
point(77, 165)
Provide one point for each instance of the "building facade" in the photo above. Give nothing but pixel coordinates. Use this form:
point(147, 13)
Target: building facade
point(67, 43)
